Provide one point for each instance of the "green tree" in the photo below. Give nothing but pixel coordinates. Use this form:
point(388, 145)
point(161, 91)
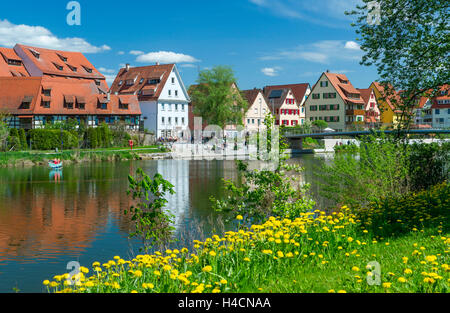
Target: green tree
point(265, 192)
point(152, 223)
point(216, 100)
point(23, 139)
point(4, 133)
point(321, 124)
point(409, 44)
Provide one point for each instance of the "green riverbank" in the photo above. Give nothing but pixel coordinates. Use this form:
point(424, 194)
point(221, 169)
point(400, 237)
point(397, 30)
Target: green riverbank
point(41, 158)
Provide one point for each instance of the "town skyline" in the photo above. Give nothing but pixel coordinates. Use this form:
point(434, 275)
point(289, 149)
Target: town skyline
point(265, 43)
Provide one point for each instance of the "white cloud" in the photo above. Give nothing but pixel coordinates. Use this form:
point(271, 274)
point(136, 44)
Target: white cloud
point(110, 74)
point(271, 71)
point(136, 52)
point(352, 45)
point(323, 51)
point(105, 70)
point(328, 13)
point(166, 57)
point(189, 65)
point(11, 34)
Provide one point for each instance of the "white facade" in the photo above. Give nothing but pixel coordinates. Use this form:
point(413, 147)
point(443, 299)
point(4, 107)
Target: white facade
point(441, 117)
point(256, 113)
point(168, 117)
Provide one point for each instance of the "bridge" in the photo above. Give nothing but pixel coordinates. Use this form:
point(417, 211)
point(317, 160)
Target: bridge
point(296, 140)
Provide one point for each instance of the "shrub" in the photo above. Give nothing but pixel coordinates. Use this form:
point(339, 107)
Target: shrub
point(50, 139)
point(23, 139)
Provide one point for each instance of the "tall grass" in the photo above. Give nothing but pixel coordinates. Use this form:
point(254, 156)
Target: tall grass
point(407, 236)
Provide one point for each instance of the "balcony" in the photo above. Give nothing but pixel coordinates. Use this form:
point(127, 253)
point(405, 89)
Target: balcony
point(355, 112)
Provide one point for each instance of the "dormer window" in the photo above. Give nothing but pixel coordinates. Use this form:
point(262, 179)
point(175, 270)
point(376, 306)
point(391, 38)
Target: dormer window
point(130, 82)
point(26, 102)
point(153, 81)
point(73, 68)
point(63, 58)
point(47, 92)
point(59, 67)
point(14, 62)
point(87, 69)
point(120, 83)
point(141, 81)
point(36, 54)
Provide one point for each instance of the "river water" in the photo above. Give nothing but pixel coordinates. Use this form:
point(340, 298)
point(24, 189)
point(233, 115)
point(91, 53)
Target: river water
point(48, 220)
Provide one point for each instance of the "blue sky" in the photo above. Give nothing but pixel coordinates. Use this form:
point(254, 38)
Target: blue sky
point(264, 41)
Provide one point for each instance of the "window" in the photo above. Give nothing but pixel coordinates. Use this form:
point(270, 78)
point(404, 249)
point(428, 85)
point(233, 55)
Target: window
point(14, 62)
point(59, 67)
point(170, 120)
point(162, 120)
point(248, 121)
point(176, 93)
point(182, 107)
point(36, 54)
point(176, 107)
point(89, 70)
point(253, 121)
point(323, 107)
point(63, 58)
point(47, 92)
point(162, 106)
point(313, 108)
point(330, 95)
point(437, 111)
point(176, 120)
point(141, 81)
point(182, 120)
point(316, 95)
point(120, 83)
point(324, 84)
point(170, 92)
point(173, 80)
point(153, 81)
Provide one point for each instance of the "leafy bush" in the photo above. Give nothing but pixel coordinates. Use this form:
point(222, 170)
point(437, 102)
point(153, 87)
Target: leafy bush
point(50, 139)
point(428, 164)
point(380, 169)
point(152, 223)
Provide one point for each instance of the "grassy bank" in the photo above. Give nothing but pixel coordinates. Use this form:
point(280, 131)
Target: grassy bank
point(408, 237)
point(24, 158)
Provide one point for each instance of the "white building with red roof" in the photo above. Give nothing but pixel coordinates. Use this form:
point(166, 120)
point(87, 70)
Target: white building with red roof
point(163, 98)
point(335, 100)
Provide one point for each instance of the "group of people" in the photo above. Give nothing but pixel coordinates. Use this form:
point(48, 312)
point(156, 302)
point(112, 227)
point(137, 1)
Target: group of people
point(56, 161)
point(167, 140)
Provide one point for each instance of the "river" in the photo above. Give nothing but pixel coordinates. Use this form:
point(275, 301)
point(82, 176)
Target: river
point(47, 221)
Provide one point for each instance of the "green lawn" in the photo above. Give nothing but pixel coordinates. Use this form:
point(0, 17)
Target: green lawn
point(407, 237)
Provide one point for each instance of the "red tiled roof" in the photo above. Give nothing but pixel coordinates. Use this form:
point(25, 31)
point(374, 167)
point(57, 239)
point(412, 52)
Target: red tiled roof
point(63, 91)
point(365, 94)
point(342, 88)
point(388, 99)
point(299, 90)
point(251, 95)
point(136, 74)
point(14, 89)
point(7, 70)
point(49, 58)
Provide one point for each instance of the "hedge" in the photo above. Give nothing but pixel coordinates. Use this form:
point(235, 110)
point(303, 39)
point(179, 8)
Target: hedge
point(50, 139)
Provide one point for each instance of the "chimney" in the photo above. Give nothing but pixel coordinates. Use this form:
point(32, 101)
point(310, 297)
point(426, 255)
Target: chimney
point(127, 67)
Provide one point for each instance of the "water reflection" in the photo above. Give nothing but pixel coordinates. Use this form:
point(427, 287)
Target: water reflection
point(49, 218)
